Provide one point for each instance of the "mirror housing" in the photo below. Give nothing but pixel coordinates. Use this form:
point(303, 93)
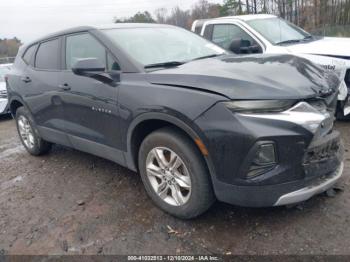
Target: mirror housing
point(92, 67)
point(86, 65)
point(240, 46)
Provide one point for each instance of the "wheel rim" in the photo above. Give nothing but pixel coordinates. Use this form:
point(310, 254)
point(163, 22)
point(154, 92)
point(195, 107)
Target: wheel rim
point(168, 176)
point(25, 131)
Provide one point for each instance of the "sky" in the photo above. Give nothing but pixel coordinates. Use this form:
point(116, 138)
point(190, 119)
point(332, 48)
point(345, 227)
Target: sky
point(30, 19)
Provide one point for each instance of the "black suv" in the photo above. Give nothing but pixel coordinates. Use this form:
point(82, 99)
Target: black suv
point(199, 124)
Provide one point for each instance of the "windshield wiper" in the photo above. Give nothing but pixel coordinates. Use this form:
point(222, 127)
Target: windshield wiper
point(308, 37)
point(289, 41)
point(165, 64)
point(206, 56)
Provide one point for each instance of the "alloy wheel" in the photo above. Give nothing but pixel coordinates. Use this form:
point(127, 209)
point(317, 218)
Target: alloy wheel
point(168, 176)
point(26, 132)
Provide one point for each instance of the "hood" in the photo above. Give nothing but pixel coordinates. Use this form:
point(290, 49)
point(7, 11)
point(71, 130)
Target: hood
point(328, 46)
point(251, 77)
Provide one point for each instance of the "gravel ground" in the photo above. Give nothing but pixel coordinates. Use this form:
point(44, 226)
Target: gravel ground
point(69, 202)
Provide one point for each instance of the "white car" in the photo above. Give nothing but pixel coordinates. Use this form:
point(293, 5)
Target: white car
point(4, 69)
point(270, 34)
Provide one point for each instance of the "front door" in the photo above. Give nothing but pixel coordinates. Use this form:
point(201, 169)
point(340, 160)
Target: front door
point(90, 106)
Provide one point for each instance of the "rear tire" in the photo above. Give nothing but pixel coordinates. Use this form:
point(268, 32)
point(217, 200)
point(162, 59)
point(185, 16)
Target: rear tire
point(29, 135)
point(178, 182)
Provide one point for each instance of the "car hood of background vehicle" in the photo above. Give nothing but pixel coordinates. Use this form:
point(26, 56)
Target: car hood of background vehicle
point(2, 86)
point(329, 46)
point(250, 77)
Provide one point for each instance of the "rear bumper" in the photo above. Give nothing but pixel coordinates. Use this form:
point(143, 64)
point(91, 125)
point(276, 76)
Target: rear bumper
point(322, 185)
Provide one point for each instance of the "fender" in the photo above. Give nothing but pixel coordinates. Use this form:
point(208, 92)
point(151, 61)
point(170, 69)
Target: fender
point(189, 129)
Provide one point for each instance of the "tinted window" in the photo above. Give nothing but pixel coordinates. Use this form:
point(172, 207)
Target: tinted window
point(223, 35)
point(27, 57)
point(83, 46)
point(208, 32)
point(47, 56)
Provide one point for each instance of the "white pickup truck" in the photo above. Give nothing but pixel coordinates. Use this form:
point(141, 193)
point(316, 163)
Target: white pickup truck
point(249, 34)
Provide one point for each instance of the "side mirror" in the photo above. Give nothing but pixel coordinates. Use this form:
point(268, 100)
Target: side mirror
point(92, 67)
point(87, 65)
point(240, 46)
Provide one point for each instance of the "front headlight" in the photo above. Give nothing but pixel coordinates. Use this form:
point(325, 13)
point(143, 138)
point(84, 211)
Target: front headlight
point(343, 91)
point(302, 113)
point(259, 106)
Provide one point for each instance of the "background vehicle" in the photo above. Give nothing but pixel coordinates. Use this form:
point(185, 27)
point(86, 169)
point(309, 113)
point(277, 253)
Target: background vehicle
point(4, 69)
point(197, 124)
point(248, 34)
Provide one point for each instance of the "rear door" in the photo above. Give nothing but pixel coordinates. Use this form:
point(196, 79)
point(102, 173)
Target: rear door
point(42, 82)
point(90, 106)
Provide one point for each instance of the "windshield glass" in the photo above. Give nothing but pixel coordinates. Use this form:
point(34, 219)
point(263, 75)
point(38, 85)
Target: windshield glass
point(155, 45)
point(3, 71)
point(277, 30)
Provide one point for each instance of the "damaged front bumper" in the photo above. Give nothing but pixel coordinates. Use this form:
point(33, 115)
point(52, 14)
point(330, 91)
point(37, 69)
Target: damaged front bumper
point(308, 154)
point(323, 167)
point(321, 185)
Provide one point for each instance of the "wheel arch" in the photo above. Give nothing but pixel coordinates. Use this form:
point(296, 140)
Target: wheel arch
point(149, 122)
point(14, 104)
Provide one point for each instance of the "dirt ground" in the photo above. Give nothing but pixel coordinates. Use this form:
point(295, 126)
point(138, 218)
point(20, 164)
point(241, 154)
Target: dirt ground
point(69, 202)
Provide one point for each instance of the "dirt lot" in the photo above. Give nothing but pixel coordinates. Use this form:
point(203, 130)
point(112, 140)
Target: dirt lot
point(70, 202)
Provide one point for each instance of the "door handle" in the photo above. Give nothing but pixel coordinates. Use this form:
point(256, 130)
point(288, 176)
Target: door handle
point(65, 87)
point(26, 79)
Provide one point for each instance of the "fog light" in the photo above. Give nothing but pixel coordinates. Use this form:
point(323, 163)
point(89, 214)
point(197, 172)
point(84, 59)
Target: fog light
point(264, 160)
point(265, 155)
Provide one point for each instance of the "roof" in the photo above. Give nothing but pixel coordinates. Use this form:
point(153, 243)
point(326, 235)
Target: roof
point(248, 17)
point(97, 27)
point(237, 17)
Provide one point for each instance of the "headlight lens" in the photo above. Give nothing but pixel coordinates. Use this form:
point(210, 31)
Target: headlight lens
point(343, 91)
point(259, 106)
point(302, 113)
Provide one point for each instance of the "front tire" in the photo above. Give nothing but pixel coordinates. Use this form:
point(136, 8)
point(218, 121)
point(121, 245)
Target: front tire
point(174, 174)
point(29, 135)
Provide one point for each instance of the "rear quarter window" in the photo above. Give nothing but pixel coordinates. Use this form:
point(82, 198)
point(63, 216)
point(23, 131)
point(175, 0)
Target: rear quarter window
point(28, 55)
point(48, 55)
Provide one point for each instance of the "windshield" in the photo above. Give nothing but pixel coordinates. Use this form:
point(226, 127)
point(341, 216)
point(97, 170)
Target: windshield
point(277, 30)
point(155, 45)
point(3, 71)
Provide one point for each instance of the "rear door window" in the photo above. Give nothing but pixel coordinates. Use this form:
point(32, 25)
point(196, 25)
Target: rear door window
point(48, 55)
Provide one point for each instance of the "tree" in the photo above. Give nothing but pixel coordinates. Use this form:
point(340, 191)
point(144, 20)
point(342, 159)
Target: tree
point(179, 17)
point(139, 17)
point(161, 15)
point(9, 47)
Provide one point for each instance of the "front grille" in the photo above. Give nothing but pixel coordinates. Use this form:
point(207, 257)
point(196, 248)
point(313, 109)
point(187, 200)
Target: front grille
point(324, 155)
point(3, 94)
